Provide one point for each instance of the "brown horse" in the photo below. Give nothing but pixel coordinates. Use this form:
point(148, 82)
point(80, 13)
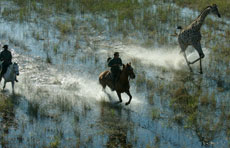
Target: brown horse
point(122, 85)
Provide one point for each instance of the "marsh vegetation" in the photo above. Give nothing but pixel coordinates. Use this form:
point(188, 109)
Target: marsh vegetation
point(62, 46)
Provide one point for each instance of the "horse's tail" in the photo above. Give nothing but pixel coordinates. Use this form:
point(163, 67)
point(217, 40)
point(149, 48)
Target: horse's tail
point(102, 79)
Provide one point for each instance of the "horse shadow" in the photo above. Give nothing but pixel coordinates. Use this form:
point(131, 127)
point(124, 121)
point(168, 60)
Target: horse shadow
point(5, 91)
point(112, 100)
point(10, 94)
point(13, 97)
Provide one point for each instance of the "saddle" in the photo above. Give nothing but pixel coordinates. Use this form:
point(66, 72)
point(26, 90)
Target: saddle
point(109, 76)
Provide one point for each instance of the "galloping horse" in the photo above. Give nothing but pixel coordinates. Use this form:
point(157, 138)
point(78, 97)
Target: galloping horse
point(10, 75)
point(122, 85)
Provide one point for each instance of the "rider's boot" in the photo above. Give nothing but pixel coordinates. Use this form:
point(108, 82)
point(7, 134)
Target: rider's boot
point(114, 83)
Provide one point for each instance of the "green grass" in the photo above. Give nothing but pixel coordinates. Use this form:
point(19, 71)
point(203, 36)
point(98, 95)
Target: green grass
point(184, 101)
point(223, 5)
point(48, 58)
point(33, 108)
point(64, 27)
point(140, 81)
point(55, 48)
point(155, 113)
point(6, 104)
point(118, 12)
point(182, 98)
point(56, 142)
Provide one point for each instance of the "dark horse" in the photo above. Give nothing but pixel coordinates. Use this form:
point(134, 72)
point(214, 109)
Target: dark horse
point(122, 85)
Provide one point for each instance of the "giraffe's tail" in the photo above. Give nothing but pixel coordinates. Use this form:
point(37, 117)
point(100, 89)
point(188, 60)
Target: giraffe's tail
point(179, 27)
point(175, 33)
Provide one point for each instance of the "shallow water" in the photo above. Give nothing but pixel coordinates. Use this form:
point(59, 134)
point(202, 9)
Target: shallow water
point(62, 104)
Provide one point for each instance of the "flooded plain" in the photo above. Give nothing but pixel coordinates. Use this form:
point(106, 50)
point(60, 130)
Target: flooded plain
point(61, 48)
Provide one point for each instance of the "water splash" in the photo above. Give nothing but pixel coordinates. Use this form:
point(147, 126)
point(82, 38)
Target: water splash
point(167, 57)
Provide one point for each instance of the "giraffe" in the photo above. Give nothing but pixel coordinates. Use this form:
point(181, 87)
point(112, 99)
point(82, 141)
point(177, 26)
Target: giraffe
point(191, 35)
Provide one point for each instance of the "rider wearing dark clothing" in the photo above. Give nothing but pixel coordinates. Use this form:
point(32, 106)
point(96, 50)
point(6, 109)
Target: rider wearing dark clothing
point(6, 57)
point(115, 64)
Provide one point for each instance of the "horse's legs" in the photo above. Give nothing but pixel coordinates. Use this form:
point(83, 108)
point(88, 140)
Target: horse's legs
point(1, 76)
point(103, 86)
point(201, 72)
point(119, 96)
point(12, 83)
point(102, 83)
point(4, 85)
point(130, 97)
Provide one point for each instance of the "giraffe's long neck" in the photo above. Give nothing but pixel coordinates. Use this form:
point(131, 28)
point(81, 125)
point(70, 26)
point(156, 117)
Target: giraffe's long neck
point(200, 19)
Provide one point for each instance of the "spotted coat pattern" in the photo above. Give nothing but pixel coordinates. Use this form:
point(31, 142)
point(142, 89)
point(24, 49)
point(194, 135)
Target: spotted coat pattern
point(191, 35)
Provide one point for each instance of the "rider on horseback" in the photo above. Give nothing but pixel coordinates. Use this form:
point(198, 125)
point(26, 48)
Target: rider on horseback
point(115, 64)
point(6, 57)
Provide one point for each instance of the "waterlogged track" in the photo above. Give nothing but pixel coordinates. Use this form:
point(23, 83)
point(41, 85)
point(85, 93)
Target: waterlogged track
point(59, 102)
point(71, 98)
point(169, 58)
point(78, 80)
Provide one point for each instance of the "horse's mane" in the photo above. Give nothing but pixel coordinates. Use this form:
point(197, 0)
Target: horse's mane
point(204, 10)
point(126, 65)
point(9, 69)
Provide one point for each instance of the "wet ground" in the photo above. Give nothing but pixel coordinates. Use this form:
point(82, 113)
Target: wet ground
point(58, 101)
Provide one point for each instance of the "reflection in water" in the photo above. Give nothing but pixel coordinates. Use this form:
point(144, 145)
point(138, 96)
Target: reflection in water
point(80, 48)
point(7, 116)
point(115, 122)
point(198, 112)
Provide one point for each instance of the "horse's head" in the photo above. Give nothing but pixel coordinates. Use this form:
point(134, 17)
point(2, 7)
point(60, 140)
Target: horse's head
point(16, 68)
point(129, 70)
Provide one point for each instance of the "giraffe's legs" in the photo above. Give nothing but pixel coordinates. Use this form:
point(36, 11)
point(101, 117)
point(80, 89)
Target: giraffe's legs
point(188, 63)
point(183, 48)
point(201, 72)
point(198, 48)
point(196, 60)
